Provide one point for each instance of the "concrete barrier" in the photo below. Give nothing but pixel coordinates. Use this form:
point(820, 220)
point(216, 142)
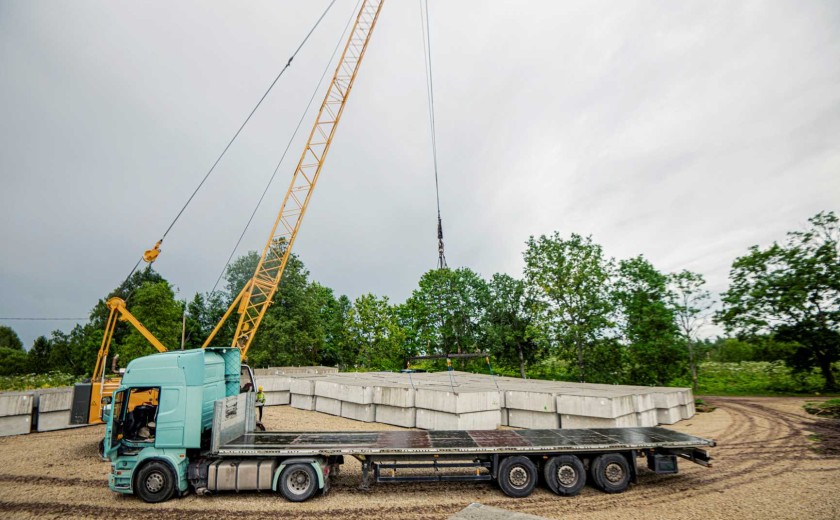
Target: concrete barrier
point(54, 408)
point(16, 412)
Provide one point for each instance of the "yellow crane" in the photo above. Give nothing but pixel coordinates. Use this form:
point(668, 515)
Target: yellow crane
point(255, 298)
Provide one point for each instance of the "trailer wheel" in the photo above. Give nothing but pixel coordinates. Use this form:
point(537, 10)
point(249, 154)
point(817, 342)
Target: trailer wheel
point(517, 476)
point(611, 472)
point(565, 475)
point(298, 482)
point(155, 482)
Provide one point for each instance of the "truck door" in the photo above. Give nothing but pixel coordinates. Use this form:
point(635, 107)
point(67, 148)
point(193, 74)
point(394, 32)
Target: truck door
point(114, 427)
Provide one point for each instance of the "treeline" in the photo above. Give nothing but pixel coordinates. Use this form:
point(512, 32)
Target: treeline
point(574, 314)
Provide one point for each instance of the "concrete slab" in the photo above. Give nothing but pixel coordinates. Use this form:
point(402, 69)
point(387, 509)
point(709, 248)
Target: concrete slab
point(578, 421)
point(647, 418)
point(16, 413)
point(394, 396)
point(398, 416)
point(55, 399)
point(302, 385)
point(15, 425)
point(274, 383)
point(358, 412)
point(49, 421)
point(476, 511)
point(464, 401)
point(278, 398)
point(327, 405)
point(359, 392)
point(435, 420)
point(533, 420)
point(603, 406)
point(668, 415)
point(302, 402)
point(531, 400)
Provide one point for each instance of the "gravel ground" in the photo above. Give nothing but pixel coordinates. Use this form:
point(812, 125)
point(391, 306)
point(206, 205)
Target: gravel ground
point(765, 467)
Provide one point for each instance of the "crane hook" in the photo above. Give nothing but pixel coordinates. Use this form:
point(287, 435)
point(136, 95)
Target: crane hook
point(151, 254)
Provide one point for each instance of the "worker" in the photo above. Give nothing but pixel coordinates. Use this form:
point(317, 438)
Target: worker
point(260, 401)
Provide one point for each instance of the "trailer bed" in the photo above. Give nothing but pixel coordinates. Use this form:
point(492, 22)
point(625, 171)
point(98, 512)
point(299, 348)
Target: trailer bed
point(443, 442)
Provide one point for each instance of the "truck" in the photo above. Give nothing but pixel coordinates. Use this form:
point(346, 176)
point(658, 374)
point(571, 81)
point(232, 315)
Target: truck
point(195, 430)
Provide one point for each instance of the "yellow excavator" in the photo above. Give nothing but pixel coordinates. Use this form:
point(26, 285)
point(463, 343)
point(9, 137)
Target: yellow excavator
point(255, 298)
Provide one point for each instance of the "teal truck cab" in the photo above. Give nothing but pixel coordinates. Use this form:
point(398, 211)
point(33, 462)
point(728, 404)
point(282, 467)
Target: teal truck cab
point(185, 420)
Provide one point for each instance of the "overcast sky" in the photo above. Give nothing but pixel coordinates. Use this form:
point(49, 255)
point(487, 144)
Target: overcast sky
point(684, 131)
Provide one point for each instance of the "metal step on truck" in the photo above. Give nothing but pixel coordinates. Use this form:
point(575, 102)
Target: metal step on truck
point(195, 431)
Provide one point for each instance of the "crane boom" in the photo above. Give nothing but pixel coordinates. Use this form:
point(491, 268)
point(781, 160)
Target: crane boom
point(258, 293)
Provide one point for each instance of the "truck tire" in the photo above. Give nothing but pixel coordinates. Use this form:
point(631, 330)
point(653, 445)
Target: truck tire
point(517, 476)
point(611, 472)
point(155, 482)
point(298, 482)
point(565, 475)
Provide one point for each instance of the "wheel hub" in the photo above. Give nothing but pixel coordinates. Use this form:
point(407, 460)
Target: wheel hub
point(518, 477)
point(614, 472)
point(567, 476)
point(298, 482)
point(154, 482)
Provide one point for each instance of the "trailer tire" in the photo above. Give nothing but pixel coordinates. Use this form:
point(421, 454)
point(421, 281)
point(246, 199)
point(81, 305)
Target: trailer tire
point(298, 482)
point(517, 476)
point(565, 475)
point(611, 472)
point(155, 482)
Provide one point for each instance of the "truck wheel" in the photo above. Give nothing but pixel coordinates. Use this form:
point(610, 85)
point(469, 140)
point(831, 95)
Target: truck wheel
point(155, 482)
point(298, 482)
point(517, 476)
point(611, 472)
point(565, 475)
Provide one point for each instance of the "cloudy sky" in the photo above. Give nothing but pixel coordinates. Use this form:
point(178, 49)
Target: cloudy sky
point(685, 131)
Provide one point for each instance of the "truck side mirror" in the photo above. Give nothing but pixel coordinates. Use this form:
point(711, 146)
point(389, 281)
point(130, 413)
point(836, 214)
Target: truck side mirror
point(106, 400)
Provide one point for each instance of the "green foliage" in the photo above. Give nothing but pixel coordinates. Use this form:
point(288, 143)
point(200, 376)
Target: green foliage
point(9, 338)
point(568, 280)
point(792, 290)
point(33, 381)
point(445, 314)
point(12, 361)
point(154, 305)
point(654, 352)
point(830, 408)
point(509, 331)
point(375, 335)
point(753, 378)
point(690, 303)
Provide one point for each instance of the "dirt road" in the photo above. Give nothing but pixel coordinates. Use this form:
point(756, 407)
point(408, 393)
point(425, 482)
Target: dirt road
point(765, 468)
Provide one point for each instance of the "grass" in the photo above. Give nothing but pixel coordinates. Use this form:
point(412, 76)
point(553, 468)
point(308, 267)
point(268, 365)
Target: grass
point(33, 381)
point(755, 378)
point(830, 408)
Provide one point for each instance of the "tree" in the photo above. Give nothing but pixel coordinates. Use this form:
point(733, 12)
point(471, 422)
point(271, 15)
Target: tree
point(569, 282)
point(12, 361)
point(154, 305)
point(508, 322)
point(374, 334)
point(792, 290)
point(445, 313)
point(9, 338)
point(39, 355)
point(690, 303)
point(654, 354)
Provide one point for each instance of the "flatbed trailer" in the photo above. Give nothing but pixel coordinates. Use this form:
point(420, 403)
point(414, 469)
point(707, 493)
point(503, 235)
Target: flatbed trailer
point(199, 432)
point(516, 459)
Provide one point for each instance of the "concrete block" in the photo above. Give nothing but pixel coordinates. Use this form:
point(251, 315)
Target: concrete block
point(277, 398)
point(274, 383)
point(49, 421)
point(643, 403)
point(668, 415)
point(398, 416)
point(533, 420)
point(302, 386)
point(327, 405)
point(603, 406)
point(395, 396)
point(15, 425)
point(531, 400)
point(16, 403)
point(686, 411)
point(302, 402)
point(359, 391)
point(436, 420)
point(569, 421)
point(504, 417)
point(647, 418)
point(666, 398)
point(358, 412)
point(476, 511)
point(457, 403)
point(55, 399)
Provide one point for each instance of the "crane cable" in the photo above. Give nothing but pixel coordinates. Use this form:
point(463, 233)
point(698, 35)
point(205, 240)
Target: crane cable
point(152, 253)
point(427, 55)
point(288, 145)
